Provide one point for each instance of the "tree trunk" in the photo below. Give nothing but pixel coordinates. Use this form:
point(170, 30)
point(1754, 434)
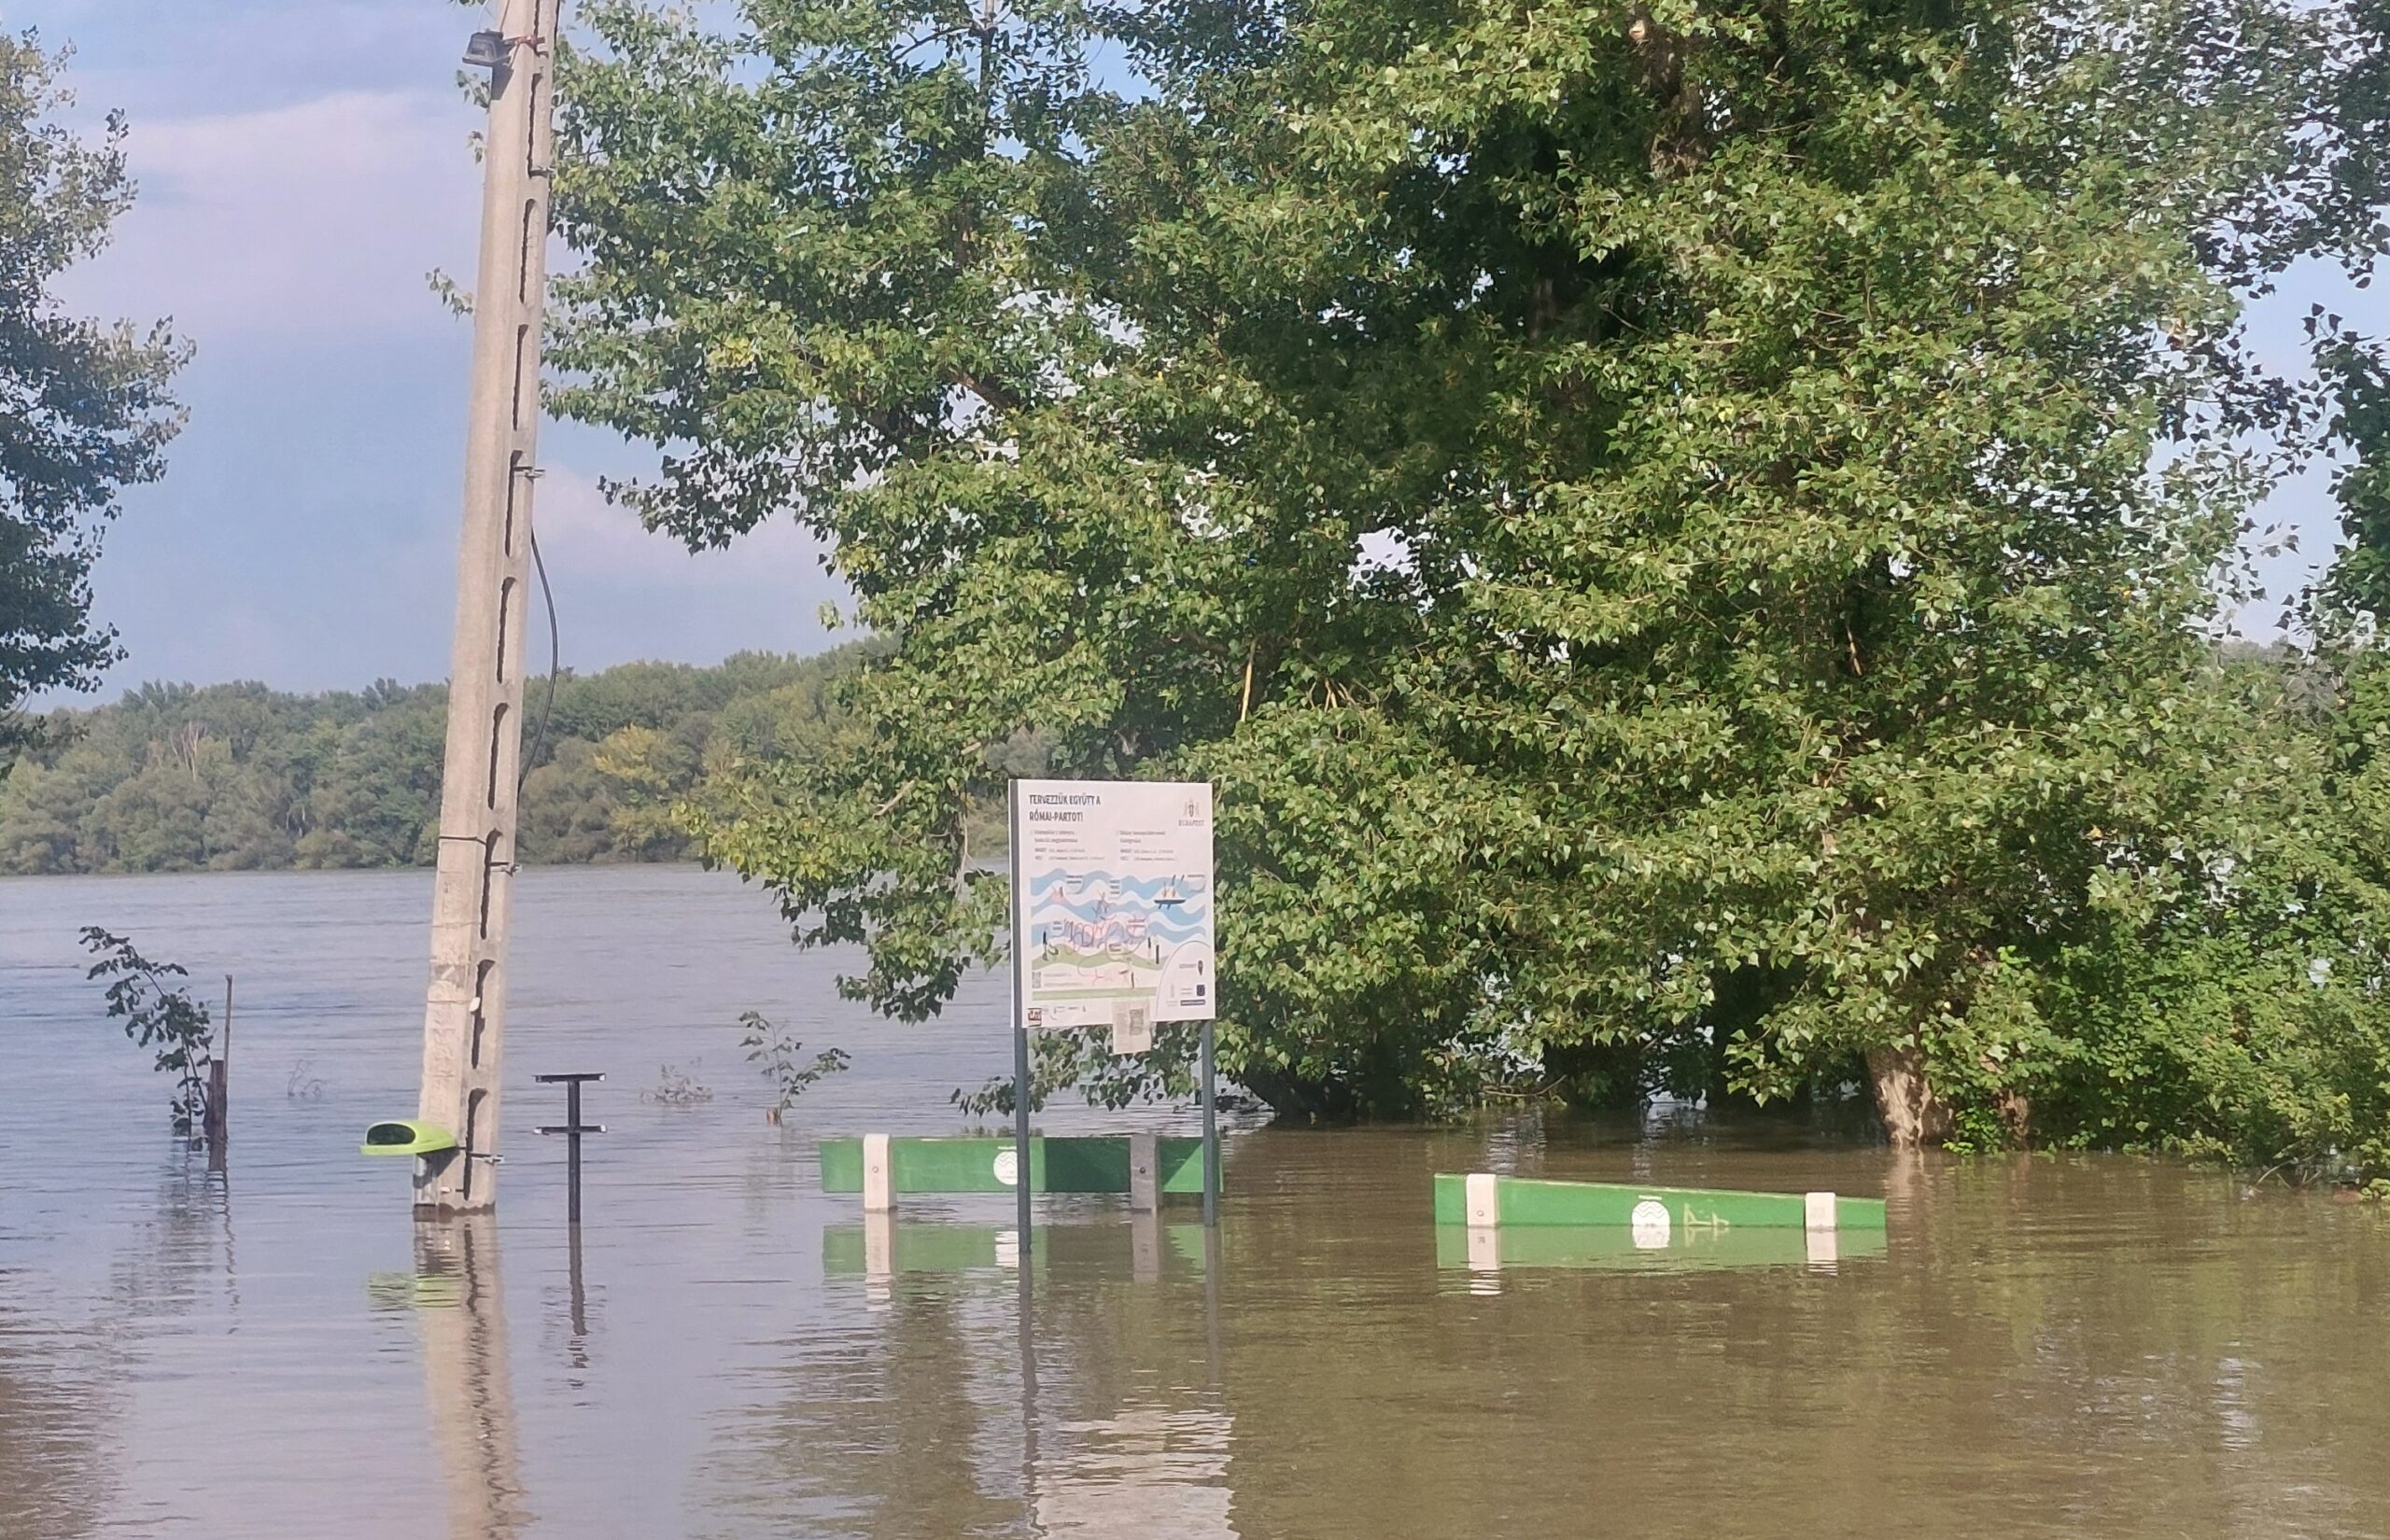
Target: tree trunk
point(1376, 1090)
point(1598, 1076)
point(2015, 1111)
point(1913, 1115)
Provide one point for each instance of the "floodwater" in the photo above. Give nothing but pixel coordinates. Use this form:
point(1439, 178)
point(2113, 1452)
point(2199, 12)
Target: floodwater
point(2043, 1345)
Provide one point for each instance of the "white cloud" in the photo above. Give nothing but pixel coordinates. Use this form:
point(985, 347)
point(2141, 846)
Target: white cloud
point(302, 163)
point(312, 220)
point(625, 593)
point(582, 533)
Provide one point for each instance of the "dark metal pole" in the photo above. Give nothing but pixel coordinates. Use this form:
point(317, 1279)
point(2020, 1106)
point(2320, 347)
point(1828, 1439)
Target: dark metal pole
point(572, 1151)
point(1024, 1291)
point(572, 1128)
point(576, 1288)
point(218, 1122)
point(1020, 1029)
point(1211, 1138)
point(1021, 1135)
point(1212, 1304)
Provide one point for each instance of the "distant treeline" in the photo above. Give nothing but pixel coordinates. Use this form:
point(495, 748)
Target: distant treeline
point(175, 778)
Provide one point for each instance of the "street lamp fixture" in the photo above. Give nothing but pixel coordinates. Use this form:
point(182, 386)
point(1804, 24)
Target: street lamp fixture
point(485, 49)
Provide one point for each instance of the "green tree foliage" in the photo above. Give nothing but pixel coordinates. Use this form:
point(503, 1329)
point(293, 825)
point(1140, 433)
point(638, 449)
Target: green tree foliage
point(2357, 369)
point(160, 1014)
point(773, 1050)
point(83, 406)
point(2359, 374)
point(1681, 534)
point(237, 776)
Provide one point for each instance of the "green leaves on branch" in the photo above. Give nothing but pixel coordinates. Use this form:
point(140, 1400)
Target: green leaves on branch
point(87, 410)
point(1686, 537)
point(160, 1014)
point(775, 1053)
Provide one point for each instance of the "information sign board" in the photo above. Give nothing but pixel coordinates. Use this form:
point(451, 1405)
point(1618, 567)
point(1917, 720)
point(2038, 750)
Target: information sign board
point(1112, 905)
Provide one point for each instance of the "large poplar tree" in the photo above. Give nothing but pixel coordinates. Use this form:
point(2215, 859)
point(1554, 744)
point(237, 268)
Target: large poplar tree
point(1681, 531)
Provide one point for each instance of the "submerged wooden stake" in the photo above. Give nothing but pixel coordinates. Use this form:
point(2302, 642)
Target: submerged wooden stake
point(218, 1126)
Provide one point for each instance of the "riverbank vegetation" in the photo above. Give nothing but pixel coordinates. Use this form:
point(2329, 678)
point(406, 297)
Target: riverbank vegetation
point(1689, 538)
point(238, 777)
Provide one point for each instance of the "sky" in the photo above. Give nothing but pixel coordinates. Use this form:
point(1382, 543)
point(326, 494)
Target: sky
point(303, 164)
point(302, 167)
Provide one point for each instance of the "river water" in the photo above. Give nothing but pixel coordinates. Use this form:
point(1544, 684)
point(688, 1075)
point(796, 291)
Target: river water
point(2043, 1346)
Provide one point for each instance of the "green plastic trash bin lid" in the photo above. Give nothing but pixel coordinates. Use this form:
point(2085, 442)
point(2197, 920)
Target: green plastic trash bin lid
point(406, 1137)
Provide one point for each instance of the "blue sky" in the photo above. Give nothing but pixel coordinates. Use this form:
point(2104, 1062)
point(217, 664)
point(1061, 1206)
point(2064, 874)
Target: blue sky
point(302, 166)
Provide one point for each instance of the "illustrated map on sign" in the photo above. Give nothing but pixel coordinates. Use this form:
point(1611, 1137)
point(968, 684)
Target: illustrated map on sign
point(1115, 913)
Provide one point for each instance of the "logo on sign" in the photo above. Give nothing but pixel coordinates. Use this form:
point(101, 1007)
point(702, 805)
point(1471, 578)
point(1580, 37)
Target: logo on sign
point(1648, 1225)
point(1007, 1170)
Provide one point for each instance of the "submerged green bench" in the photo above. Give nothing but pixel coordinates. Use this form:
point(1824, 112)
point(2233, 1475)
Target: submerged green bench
point(1097, 1163)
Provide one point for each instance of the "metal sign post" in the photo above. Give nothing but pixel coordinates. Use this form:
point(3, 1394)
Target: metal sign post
point(572, 1128)
point(1211, 1138)
point(1020, 1169)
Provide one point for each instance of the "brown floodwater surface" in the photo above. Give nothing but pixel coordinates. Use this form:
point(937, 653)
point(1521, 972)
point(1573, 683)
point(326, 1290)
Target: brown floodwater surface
point(2043, 1346)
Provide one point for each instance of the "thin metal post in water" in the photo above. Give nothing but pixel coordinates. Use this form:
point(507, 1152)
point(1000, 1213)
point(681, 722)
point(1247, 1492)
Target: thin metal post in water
point(1023, 1294)
point(577, 1294)
point(1019, 1027)
point(220, 1088)
point(1020, 1136)
point(1211, 1138)
point(572, 1128)
point(1212, 1305)
point(572, 1151)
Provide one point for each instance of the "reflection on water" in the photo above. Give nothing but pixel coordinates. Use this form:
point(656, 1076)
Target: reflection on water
point(1486, 1251)
point(1147, 1470)
point(457, 1292)
point(878, 1246)
point(54, 1426)
point(2039, 1346)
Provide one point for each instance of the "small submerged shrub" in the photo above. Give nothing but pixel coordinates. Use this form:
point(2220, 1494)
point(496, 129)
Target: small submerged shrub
point(160, 1014)
point(676, 1088)
point(772, 1050)
point(302, 1085)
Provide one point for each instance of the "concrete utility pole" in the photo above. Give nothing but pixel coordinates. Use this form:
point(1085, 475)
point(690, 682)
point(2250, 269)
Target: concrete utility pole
point(464, 1015)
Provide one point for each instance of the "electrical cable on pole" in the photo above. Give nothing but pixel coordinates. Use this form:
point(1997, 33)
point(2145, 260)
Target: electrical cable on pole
point(555, 663)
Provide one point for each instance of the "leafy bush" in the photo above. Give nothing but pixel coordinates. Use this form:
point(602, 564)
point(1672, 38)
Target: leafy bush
point(778, 1055)
point(676, 1088)
point(159, 1015)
